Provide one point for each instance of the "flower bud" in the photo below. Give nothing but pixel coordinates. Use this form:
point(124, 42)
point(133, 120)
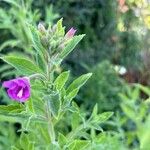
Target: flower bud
point(70, 33)
point(41, 28)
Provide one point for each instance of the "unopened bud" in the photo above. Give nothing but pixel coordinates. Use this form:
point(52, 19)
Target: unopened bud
point(41, 28)
point(70, 33)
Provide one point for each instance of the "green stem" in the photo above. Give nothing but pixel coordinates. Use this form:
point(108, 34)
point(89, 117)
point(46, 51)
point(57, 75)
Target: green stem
point(51, 130)
point(37, 75)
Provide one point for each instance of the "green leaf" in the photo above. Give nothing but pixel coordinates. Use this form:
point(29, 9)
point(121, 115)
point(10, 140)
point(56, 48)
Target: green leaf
point(30, 106)
point(12, 117)
point(145, 89)
point(102, 117)
point(71, 45)
point(61, 80)
point(75, 120)
point(43, 132)
point(12, 2)
point(53, 103)
point(17, 116)
point(11, 108)
point(60, 29)
point(71, 95)
point(41, 62)
point(79, 145)
point(23, 65)
point(36, 40)
point(24, 141)
point(62, 140)
point(38, 47)
point(95, 111)
point(96, 126)
point(31, 146)
point(129, 111)
point(78, 82)
point(9, 43)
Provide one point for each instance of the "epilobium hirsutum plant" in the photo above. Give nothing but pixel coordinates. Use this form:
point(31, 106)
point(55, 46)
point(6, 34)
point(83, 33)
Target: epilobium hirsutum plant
point(43, 101)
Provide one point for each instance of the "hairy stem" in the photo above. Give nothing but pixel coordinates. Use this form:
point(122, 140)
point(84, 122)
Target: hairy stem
point(50, 124)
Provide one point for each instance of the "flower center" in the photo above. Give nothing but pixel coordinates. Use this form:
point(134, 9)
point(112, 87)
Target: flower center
point(20, 93)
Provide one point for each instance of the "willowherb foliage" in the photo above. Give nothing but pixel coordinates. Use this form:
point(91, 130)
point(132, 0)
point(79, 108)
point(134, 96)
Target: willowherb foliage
point(16, 33)
point(47, 98)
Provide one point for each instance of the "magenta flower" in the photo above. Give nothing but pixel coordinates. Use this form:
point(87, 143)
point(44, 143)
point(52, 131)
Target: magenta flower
point(18, 89)
point(71, 33)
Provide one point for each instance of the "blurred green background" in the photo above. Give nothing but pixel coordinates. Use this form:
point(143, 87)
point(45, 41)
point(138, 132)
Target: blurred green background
point(115, 49)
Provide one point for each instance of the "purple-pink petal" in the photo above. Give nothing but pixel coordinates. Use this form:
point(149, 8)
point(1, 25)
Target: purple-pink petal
point(9, 84)
point(18, 89)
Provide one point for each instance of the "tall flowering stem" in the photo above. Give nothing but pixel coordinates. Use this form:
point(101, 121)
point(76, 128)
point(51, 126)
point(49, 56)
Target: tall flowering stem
point(42, 92)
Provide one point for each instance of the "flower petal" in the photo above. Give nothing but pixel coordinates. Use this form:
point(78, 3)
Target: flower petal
point(9, 84)
point(18, 89)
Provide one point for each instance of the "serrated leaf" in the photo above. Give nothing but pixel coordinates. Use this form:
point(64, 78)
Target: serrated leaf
point(71, 95)
point(145, 89)
point(79, 145)
point(71, 45)
point(44, 133)
point(95, 111)
point(30, 106)
point(61, 80)
point(100, 118)
point(12, 2)
point(41, 62)
point(23, 65)
point(24, 141)
point(60, 29)
point(75, 120)
point(62, 140)
point(54, 103)
point(80, 81)
point(18, 117)
point(31, 146)
point(129, 111)
point(11, 108)
point(36, 41)
point(9, 43)
point(96, 127)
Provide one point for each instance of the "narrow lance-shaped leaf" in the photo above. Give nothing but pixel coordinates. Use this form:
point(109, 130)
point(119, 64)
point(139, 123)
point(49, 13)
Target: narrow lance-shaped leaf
point(36, 40)
point(79, 145)
point(23, 65)
point(62, 140)
point(12, 2)
point(129, 111)
point(78, 82)
point(9, 43)
point(145, 89)
point(71, 45)
point(53, 103)
point(71, 95)
point(100, 118)
point(60, 29)
point(11, 108)
point(95, 111)
point(24, 140)
point(61, 80)
point(41, 62)
point(18, 117)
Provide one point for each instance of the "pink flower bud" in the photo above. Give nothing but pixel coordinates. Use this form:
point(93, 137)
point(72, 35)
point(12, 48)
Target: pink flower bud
point(70, 33)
